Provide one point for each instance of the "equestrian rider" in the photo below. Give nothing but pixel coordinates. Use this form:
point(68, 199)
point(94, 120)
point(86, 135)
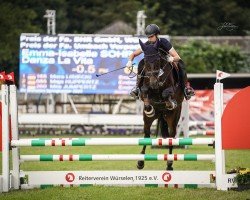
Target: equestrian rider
point(152, 31)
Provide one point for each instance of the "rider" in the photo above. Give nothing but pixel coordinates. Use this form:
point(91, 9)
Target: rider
point(152, 31)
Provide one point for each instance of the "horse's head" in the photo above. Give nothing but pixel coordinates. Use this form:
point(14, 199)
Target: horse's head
point(155, 65)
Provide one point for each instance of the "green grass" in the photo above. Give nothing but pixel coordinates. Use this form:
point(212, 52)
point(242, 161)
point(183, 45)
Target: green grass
point(233, 159)
point(119, 193)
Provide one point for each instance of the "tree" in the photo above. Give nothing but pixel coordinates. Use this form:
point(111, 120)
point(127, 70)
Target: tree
point(204, 57)
point(13, 22)
point(194, 17)
point(90, 16)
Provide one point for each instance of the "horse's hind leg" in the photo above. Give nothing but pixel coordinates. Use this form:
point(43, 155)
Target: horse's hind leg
point(147, 124)
point(140, 163)
point(170, 162)
point(172, 133)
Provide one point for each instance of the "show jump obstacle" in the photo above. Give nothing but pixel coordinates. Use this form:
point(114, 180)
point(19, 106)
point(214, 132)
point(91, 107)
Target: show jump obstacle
point(185, 124)
point(218, 178)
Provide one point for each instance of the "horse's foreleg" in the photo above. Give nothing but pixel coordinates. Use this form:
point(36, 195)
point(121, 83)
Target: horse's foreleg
point(172, 133)
point(170, 162)
point(147, 124)
point(140, 163)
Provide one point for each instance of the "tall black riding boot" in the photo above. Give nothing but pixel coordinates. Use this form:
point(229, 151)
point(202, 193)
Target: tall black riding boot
point(184, 84)
point(136, 90)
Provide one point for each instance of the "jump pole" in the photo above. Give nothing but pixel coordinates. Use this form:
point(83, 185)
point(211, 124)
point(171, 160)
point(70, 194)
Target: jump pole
point(118, 157)
point(111, 141)
point(208, 133)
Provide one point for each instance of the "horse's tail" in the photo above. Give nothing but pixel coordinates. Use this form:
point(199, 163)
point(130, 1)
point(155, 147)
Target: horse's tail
point(162, 128)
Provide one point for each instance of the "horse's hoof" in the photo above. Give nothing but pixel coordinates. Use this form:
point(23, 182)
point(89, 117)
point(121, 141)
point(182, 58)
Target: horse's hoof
point(140, 164)
point(170, 168)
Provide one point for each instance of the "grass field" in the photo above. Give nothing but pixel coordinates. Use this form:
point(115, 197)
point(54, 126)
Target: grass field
point(233, 159)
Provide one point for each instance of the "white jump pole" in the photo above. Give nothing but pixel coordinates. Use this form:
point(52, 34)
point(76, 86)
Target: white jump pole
point(14, 131)
point(219, 153)
point(5, 138)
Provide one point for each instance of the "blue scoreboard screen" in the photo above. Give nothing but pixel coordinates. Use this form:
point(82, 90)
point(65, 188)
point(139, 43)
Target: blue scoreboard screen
point(69, 63)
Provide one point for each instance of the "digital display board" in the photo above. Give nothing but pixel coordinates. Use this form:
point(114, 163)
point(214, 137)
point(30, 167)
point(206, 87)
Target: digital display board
point(69, 63)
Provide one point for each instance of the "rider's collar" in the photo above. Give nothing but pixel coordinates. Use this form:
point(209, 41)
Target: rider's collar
point(150, 42)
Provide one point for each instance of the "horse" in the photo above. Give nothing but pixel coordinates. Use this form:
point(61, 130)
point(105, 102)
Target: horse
point(161, 93)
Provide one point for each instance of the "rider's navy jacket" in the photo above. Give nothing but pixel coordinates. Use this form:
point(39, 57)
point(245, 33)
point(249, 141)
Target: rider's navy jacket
point(164, 44)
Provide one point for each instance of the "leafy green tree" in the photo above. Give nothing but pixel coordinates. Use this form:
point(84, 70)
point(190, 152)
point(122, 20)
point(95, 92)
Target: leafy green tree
point(90, 16)
point(204, 57)
point(13, 22)
point(194, 17)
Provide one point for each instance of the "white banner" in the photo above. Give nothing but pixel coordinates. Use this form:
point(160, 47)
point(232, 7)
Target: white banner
point(120, 177)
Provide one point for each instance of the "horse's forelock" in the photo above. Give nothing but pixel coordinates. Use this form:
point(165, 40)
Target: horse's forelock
point(151, 49)
point(151, 53)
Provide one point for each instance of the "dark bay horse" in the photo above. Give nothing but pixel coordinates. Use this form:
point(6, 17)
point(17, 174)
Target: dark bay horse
point(161, 94)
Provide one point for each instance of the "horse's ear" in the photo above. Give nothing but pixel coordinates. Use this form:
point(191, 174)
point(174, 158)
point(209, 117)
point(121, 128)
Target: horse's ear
point(143, 47)
point(156, 44)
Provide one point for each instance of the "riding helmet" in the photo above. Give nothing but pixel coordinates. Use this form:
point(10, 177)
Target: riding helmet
point(152, 29)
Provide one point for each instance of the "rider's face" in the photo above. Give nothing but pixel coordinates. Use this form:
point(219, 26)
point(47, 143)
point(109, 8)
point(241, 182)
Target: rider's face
point(152, 38)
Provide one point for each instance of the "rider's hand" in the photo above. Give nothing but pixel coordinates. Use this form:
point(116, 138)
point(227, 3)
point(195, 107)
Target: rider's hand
point(170, 58)
point(129, 64)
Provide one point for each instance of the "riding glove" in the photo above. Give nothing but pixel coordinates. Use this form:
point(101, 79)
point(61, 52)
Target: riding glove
point(170, 58)
point(129, 63)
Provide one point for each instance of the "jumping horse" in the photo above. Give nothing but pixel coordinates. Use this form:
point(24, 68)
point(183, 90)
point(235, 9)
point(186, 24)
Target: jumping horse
point(161, 94)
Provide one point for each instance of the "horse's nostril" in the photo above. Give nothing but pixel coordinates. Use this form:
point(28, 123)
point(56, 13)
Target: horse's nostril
point(154, 85)
point(153, 81)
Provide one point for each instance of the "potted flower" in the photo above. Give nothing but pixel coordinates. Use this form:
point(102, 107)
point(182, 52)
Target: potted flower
point(243, 178)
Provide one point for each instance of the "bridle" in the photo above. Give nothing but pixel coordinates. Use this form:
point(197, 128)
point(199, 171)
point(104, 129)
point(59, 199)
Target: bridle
point(156, 73)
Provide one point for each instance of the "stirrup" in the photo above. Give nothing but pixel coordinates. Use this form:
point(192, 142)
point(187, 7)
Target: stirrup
point(188, 93)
